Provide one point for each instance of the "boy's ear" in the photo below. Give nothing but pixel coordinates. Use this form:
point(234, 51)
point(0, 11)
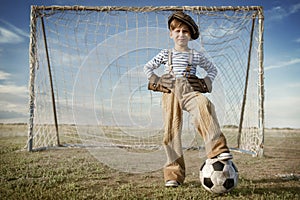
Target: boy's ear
point(171, 34)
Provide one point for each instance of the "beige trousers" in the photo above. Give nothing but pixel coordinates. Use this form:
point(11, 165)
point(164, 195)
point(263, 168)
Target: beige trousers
point(204, 119)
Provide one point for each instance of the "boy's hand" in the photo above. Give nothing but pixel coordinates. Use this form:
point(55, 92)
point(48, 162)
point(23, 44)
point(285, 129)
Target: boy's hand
point(199, 84)
point(161, 84)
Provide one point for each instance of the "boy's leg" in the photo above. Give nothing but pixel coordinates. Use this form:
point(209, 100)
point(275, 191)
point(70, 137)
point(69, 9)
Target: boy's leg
point(206, 123)
point(172, 114)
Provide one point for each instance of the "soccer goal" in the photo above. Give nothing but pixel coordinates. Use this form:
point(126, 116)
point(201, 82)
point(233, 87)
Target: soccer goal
point(87, 84)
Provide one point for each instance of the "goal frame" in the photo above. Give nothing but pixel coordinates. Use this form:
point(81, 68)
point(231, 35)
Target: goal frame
point(33, 62)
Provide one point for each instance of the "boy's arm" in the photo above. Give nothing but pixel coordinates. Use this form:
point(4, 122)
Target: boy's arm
point(154, 63)
point(204, 85)
point(156, 83)
point(210, 68)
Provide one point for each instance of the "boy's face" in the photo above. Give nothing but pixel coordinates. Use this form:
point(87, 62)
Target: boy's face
point(181, 35)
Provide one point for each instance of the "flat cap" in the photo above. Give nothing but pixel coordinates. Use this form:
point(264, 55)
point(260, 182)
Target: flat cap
point(181, 16)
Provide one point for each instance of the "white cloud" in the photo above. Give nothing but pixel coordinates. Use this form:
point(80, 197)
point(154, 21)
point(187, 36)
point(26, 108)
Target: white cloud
point(13, 103)
point(8, 36)
point(286, 113)
point(10, 33)
point(283, 64)
point(295, 8)
point(297, 40)
point(11, 89)
point(278, 13)
point(4, 75)
point(13, 112)
point(14, 28)
point(294, 85)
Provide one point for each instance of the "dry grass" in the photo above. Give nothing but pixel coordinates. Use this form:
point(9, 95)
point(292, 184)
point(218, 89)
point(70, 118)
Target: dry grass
point(73, 173)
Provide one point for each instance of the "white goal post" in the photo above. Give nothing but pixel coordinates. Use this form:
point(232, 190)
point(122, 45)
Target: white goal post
point(87, 83)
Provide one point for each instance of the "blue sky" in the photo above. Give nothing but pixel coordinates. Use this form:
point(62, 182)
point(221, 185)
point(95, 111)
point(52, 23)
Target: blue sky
point(281, 54)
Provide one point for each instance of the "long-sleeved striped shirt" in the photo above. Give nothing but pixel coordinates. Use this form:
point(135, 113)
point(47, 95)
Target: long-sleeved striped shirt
point(180, 60)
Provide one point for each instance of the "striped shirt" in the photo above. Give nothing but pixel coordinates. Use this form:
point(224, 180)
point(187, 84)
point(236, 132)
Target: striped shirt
point(180, 61)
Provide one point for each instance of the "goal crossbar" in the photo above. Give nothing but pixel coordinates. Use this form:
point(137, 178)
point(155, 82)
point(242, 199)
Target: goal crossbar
point(151, 8)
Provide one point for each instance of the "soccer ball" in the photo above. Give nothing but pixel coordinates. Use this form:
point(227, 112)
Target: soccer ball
point(218, 176)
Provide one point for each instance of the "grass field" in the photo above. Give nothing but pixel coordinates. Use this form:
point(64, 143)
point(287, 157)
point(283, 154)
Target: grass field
point(73, 173)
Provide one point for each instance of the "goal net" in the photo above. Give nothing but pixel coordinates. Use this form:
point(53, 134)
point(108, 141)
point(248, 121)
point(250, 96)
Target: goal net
point(87, 85)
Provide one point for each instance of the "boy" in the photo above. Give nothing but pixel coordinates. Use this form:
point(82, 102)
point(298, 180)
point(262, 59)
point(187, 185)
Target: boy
point(182, 90)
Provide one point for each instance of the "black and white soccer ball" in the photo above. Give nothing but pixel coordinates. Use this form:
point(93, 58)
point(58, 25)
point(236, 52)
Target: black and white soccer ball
point(218, 176)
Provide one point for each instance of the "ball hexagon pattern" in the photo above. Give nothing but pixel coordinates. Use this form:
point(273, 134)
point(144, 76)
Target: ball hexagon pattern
point(218, 176)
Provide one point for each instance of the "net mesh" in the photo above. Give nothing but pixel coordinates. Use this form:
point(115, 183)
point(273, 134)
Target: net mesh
point(97, 55)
